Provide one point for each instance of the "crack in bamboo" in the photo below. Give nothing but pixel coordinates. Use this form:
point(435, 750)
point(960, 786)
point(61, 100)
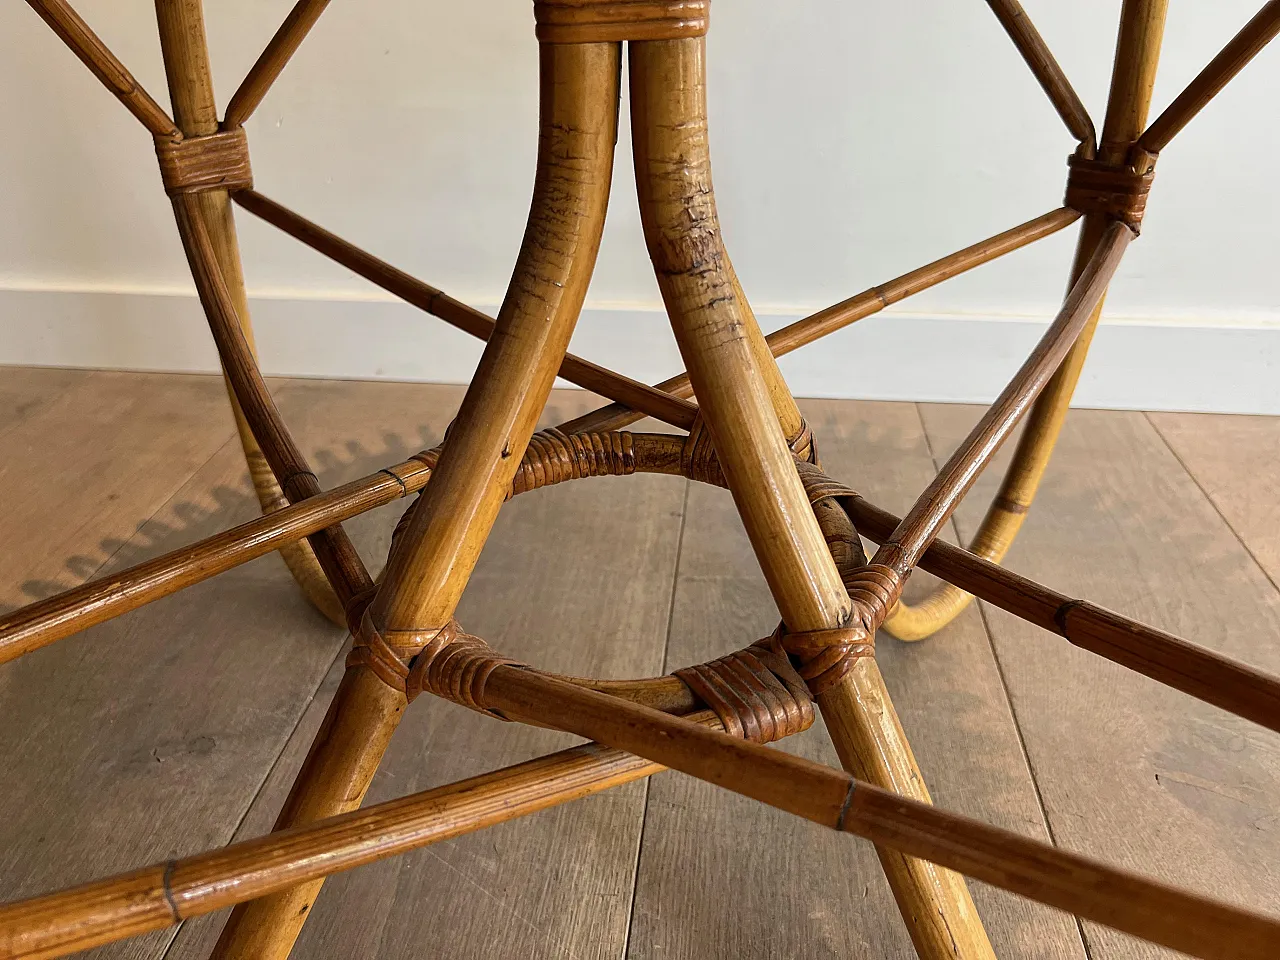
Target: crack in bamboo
point(858, 307)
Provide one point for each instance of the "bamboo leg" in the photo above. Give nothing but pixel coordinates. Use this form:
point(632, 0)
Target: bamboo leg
point(1137, 55)
point(186, 59)
point(430, 566)
point(858, 307)
point(711, 323)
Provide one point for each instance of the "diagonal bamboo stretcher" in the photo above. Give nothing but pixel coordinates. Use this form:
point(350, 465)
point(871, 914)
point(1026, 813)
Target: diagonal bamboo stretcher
point(745, 433)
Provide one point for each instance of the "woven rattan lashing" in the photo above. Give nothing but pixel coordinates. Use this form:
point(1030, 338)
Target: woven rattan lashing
point(1110, 191)
point(611, 21)
point(219, 161)
point(799, 521)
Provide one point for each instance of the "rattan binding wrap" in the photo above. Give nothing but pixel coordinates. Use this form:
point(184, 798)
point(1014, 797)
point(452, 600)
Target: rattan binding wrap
point(219, 161)
point(1115, 192)
point(612, 21)
point(445, 661)
point(755, 692)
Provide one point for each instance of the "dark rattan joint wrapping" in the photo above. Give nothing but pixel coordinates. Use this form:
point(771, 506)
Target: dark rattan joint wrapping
point(612, 21)
point(1114, 192)
point(755, 692)
point(219, 161)
point(447, 662)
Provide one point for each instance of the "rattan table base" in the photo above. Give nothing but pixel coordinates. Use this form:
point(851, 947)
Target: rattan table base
point(744, 432)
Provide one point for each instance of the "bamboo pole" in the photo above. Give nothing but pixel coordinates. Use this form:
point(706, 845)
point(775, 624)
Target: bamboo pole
point(1194, 670)
point(869, 302)
point(1047, 71)
point(435, 554)
point(46, 621)
point(1087, 888)
point(102, 63)
point(186, 61)
point(673, 176)
point(1132, 77)
point(333, 549)
point(934, 507)
point(166, 893)
point(639, 396)
point(284, 44)
point(1233, 58)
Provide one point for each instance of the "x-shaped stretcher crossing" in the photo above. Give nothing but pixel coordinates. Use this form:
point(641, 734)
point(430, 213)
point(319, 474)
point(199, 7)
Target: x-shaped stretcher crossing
point(745, 433)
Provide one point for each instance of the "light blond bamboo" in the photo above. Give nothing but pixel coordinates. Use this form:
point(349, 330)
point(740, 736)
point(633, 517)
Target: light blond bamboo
point(273, 60)
point(710, 319)
point(186, 61)
point(1133, 76)
point(434, 557)
point(429, 569)
point(93, 53)
point(865, 304)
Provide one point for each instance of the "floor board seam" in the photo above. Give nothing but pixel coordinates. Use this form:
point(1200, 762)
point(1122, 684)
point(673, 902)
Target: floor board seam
point(648, 781)
point(266, 778)
point(1209, 497)
point(1008, 696)
point(168, 499)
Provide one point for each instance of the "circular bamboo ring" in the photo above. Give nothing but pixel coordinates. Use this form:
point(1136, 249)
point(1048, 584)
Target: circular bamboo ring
point(755, 691)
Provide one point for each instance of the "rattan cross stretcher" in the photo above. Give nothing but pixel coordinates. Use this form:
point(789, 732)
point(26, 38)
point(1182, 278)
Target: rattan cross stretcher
point(745, 433)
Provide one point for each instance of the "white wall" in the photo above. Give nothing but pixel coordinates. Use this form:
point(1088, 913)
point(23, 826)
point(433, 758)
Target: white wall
point(852, 141)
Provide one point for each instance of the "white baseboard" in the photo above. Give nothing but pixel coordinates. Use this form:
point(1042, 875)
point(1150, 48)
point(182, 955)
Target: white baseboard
point(1153, 365)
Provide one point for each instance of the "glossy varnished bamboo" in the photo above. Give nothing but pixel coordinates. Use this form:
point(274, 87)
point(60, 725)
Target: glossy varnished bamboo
point(1233, 58)
point(167, 893)
point(858, 307)
point(1130, 771)
point(1133, 76)
point(1176, 918)
point(1038, 57)
point(342, 566)
point(932, 509)
point(1195, 670)
point(647, 400)
point(93, 53)
point(273, 60)
point(164, 894)
point(673, 178)
point(190, 79)
point(427, 573)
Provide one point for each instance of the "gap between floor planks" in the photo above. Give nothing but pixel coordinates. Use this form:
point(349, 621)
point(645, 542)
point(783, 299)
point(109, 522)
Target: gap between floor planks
point(537, 884)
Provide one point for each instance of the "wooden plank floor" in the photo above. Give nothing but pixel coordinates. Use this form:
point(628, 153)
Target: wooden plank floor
point(180, 726)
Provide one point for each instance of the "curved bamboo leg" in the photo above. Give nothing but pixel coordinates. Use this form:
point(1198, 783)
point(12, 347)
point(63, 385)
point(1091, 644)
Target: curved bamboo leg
point(435, 555)
point(713, 328)
point(186, 60)
point(1133, 75)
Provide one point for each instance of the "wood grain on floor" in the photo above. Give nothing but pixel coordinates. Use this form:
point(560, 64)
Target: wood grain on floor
point(180, 726)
